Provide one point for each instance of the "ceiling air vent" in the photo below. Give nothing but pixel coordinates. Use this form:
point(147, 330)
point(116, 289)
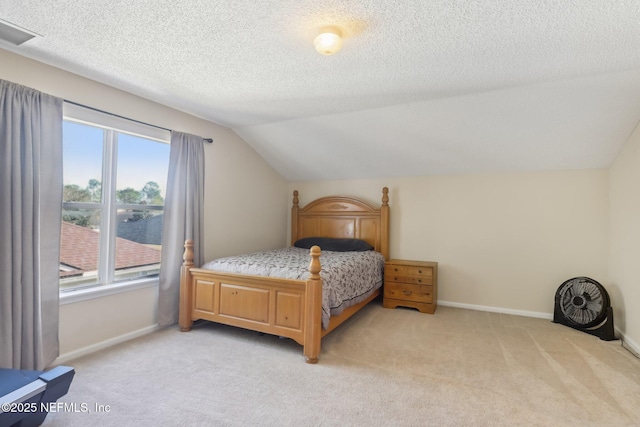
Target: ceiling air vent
point(14, 34)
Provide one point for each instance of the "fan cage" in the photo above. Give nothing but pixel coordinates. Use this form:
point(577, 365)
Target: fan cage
point(583, 301)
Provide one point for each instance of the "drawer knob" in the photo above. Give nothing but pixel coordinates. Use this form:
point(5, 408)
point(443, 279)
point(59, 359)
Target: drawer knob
point(406, 292)
point(420, 271)
point(419, 280)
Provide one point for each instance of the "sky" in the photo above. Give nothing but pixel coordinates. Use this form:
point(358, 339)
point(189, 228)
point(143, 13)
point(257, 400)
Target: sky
point(139, 160)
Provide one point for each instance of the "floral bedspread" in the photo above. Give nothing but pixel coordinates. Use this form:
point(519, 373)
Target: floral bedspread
point(347, 277)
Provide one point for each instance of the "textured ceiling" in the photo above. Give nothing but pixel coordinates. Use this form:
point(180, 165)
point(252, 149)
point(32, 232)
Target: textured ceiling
point(419, 88)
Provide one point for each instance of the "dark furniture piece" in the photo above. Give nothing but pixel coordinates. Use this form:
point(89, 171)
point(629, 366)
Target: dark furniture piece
point(26, 396)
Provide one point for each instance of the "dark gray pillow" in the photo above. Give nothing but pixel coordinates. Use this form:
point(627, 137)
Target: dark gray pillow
point(334, 244)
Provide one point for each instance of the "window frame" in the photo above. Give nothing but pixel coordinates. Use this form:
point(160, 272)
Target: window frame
point(111, 125)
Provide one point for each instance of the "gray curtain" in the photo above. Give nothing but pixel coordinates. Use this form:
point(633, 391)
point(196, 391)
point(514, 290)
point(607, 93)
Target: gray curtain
point(30, 215)
point(183, 219)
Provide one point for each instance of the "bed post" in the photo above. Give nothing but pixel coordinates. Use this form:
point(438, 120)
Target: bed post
point(294, 218)
point(313, 321)
point(185, 320)
point(384, 226)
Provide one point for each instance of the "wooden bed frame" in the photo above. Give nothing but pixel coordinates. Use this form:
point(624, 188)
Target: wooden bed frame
point(285, 307)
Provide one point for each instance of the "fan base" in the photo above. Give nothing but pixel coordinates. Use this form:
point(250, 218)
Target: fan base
point(604, 331)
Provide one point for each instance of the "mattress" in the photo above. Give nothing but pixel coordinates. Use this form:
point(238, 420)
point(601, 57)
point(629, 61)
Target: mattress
point(347, 277)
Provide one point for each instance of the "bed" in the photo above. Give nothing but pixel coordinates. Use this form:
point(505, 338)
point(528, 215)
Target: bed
point(287, 307)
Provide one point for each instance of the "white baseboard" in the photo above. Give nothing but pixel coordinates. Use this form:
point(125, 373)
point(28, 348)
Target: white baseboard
point(497, 309)
point(66, 357)
point(628, 343)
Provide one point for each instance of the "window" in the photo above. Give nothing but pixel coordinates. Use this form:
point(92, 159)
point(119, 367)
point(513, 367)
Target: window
point(115, 174)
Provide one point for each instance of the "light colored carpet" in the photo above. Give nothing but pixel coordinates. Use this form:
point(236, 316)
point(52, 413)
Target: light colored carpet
point(383, 367)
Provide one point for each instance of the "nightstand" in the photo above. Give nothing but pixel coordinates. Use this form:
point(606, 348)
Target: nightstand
point(411, 284)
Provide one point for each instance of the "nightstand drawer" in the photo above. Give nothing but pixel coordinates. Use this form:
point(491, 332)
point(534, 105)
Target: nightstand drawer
point(409, 270)
point(392, 276)
point(408, 292)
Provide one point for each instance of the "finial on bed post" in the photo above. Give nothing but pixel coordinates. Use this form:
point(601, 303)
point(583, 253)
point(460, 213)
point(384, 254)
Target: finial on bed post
point(314, 266)
point(294, 218)
point(385, 196)
point(187, 256)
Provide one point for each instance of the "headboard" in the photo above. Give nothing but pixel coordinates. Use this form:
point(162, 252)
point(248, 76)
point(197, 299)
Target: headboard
point(343, 217)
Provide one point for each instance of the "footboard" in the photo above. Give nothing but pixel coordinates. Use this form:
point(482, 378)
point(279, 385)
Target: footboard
point(283, 307)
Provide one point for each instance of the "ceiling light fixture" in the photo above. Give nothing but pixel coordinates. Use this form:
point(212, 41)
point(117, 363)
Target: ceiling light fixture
point(328, 41)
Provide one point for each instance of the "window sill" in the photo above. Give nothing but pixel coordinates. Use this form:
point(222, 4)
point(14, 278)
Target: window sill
point(78, 295)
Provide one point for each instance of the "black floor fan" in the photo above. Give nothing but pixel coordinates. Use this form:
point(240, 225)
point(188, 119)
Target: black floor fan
point(584, 304)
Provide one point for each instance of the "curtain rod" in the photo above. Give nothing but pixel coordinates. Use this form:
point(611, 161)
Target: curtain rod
point(208, 140)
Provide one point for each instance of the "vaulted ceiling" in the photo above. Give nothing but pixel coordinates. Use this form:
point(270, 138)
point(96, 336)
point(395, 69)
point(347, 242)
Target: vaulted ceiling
point(419, 87)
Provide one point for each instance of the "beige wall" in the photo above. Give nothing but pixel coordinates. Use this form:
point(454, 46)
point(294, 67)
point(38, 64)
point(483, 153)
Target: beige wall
point(503, 242)
point(245, 199)
point(93, 324)
point(624, 255)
